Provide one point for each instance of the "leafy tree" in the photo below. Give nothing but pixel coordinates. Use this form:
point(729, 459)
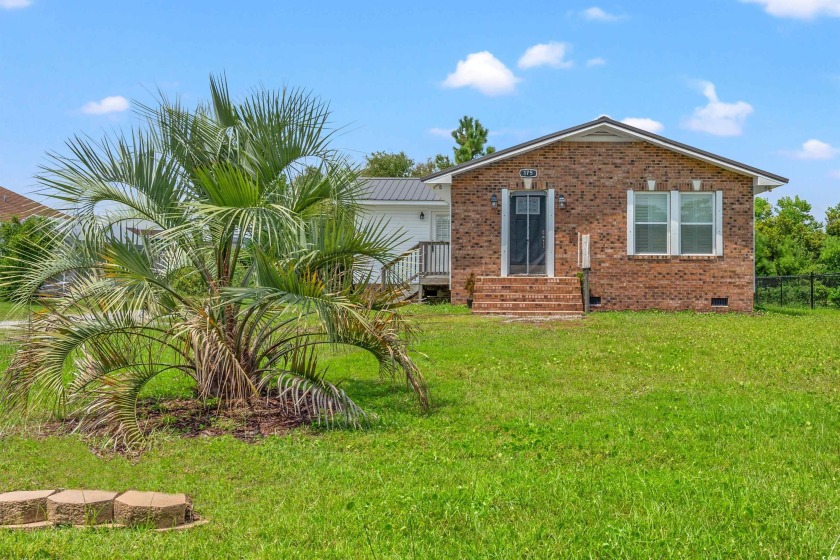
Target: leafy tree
point(471, 140)
point(788, 237)
point(794, 220)
point(830, 254)
point(21, 243)
point(384, 164)
point(832, 221)
point(234, 205)
point(431, 165)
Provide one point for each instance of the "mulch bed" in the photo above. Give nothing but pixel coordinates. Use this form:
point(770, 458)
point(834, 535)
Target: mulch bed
point(247, 421)
point(192, 418)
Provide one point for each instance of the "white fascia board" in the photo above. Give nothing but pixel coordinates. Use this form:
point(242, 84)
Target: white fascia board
point(402, 203)
point(690, 153)
point(442, 180)
point(763, 184)
point(695, 155)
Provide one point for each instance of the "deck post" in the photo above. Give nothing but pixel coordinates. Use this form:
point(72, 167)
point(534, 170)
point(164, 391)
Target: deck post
point(586, 290)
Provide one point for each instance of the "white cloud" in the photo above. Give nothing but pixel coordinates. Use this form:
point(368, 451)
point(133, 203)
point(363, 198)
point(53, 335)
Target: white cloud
point(484, 72)
point(645, 124)
point(546, 54)
point(12, 4)
point(835, 173)
point(442, 132)
point(597, 61)
point(598, 14)
point(815, 149)
point(111, 104)
point(799, 9)
point(717, 117)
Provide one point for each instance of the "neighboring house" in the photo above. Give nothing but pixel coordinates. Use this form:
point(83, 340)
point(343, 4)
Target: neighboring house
point(669, 226)
point(14, 205)
point(411, 209)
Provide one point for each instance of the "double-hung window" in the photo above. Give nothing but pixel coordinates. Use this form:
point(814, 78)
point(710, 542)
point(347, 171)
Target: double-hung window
point(697, 223)
point(674, 223)
point(651, 223)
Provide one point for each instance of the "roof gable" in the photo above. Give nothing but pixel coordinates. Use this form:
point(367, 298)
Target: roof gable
point(16, 205)
point(606, 129)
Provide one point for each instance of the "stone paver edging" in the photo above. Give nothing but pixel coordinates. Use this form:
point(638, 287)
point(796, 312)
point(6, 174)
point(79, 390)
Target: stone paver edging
point(36, 509)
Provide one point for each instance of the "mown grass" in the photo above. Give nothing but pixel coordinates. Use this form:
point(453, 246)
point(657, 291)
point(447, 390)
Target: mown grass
point(13, 312)
point(621, 435)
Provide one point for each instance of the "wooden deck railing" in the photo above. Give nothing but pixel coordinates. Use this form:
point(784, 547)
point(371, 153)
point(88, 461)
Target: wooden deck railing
point(427, 258)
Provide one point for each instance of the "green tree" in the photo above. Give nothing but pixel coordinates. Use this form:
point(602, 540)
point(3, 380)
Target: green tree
point(830, 255)
point(230, 196)
point(22, 243)
point(471, 140)
point(788, 237)
point(832, 221)
point(385, 164)
point(431, 165)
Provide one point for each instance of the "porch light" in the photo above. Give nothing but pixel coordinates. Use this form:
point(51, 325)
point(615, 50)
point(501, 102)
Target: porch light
point(696, 184)
point(422, 215)
point(494, 201)
point(651, 184)
point(561, 201)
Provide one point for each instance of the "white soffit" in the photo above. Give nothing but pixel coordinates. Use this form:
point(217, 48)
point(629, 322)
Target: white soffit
point(601, 134)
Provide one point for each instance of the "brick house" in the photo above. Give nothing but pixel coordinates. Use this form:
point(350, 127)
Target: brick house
point(14, 205)
point(667, 226)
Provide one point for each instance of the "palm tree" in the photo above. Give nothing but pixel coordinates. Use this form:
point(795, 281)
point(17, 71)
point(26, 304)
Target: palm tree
point(218, 243)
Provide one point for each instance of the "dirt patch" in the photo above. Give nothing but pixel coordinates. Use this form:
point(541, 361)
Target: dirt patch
point(247, 421)
point(190, 418)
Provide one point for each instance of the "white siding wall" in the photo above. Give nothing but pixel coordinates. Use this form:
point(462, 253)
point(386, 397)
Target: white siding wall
point(406, 218)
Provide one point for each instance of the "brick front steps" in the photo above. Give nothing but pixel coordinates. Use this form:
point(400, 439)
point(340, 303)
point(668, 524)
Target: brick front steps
point(527, 296)
point(87, 508)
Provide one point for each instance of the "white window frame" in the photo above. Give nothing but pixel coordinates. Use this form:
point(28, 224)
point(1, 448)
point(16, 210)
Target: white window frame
point(434, 217)
point(674, 223)
point(713, 223)
point(666, 223)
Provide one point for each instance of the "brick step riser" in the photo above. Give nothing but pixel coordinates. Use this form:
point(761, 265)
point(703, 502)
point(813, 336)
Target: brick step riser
point(575, 291)
point(524, 306)
point(527, 279)
point(528, 284)
point(547, 298)
point(531, 313)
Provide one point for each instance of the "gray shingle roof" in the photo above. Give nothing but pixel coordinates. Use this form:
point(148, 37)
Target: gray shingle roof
point(404, 189)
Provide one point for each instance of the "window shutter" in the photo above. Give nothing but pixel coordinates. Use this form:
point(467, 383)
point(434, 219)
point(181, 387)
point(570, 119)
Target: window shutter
point(675, 223)
point(631, 221)
point(505, 226)
point(719, 223)
point(549, 234)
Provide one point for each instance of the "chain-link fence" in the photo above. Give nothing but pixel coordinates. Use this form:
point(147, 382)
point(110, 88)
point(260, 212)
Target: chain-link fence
point(809, 290)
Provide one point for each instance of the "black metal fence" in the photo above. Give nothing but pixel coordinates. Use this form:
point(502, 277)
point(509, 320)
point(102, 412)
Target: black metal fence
point(809, 290)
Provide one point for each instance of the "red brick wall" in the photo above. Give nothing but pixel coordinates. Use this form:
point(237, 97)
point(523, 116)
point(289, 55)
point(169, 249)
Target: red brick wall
point(594, 177)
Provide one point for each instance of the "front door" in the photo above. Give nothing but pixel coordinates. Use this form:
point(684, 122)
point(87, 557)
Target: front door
point(527, 242)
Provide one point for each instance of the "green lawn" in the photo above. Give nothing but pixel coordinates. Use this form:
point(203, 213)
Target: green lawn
point(622, 435)
point(12, 312)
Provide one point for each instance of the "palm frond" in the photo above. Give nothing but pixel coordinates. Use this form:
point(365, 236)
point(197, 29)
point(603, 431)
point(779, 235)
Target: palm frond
point(303, 388)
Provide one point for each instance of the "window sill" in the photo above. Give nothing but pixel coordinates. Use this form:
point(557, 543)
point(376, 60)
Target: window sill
point(649, 257)
point(673, 257)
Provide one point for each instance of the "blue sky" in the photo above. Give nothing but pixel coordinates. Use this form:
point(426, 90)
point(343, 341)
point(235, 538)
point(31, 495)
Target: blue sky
point(754, 80)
